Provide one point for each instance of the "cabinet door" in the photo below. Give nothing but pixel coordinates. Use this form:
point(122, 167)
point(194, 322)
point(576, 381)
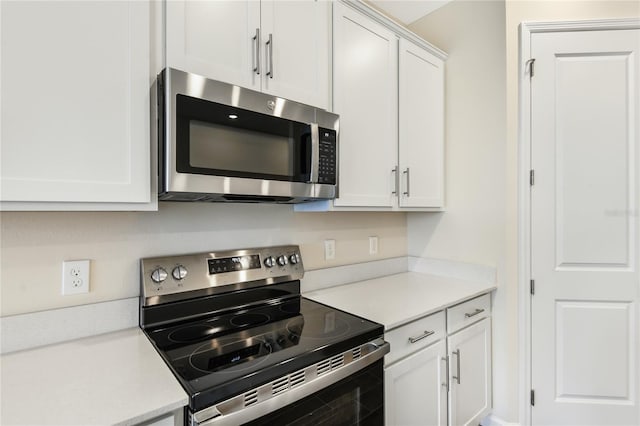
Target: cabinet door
point(421, 130)
point(296, 37)
point(416, 388)
point(75, 102)
point(366, 97)
point(216, 39)
point(470, 374)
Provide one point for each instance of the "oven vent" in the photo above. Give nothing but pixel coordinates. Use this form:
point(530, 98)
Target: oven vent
point(251, 397)
point(337, 361)
point(357, 353)
point(280, 385)
point(324, 367)
point(297, 378)
point(330, 364)
point(287, 382)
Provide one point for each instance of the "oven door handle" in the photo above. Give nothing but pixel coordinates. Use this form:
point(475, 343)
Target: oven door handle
point(285, 390)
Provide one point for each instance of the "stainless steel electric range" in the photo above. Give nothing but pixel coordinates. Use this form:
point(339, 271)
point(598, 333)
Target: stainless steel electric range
point(248, 349)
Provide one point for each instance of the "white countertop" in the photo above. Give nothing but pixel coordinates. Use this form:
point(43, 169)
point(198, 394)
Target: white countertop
point(113, 378)
point(397, 299)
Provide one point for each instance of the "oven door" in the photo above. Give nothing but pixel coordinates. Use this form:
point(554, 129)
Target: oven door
point(355, 400)
point(346, 389)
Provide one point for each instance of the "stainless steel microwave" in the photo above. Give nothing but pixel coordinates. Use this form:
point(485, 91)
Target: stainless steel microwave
point(220, 142)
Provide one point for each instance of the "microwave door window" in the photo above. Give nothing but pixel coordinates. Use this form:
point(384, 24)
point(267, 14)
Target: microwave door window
point(218, 147)
point(217, 139)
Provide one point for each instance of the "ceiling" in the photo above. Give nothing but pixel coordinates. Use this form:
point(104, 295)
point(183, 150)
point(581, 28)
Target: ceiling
point(408, 11)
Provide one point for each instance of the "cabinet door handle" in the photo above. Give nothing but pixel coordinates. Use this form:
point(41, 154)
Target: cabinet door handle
point(446, 372)
point(269, 45)
point(457, 354)
point(474, 313)
point(395, 180)
point(408, 191)
point(422, 336)
point(256, 52)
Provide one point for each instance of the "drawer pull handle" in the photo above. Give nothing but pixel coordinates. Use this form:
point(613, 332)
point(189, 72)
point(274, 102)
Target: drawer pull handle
point(422, 336)
point(474, 313)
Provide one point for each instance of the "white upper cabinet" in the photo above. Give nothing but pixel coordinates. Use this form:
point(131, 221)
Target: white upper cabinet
point(296, 40)
point(216, 39)
point(365, 96)
point(388, 88)
point(278, 47)
point(75, 85)
point(421, 129)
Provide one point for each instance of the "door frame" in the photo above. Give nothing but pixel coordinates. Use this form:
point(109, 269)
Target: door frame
point(526, 29)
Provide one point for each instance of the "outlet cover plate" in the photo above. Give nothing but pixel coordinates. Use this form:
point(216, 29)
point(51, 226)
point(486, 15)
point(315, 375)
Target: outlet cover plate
point(329, 249)
point(75, 276)
point(373, 245)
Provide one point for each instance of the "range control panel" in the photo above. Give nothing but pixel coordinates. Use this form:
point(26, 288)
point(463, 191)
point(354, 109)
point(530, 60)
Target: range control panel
point(171, 278)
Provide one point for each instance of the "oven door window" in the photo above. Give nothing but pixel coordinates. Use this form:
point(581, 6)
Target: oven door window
point(355, 400)
point(217, 139)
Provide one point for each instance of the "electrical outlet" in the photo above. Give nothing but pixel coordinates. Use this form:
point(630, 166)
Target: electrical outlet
point(373, 245)
point(329, 249)
point(75, 276)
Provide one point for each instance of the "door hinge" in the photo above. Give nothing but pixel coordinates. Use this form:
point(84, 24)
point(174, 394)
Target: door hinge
point(528, 66)
point(532, 177)
point(532, 286)
point(533, 397)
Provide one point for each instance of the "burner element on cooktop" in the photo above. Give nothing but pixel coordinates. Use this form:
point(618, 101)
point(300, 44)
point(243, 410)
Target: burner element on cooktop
point(210, 359)
point(191, 333)
point(235, 352)
point(250, 319)
point(321, 326)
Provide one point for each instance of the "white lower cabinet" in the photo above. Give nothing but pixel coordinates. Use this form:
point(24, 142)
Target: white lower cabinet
point(416, 388)
point(470, 374)
point(439, 374)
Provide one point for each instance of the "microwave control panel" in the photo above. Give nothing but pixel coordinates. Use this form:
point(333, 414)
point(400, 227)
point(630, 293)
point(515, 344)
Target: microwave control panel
point(327, 163)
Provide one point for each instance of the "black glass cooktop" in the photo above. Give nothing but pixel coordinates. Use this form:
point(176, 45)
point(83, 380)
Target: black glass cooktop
point(225, 354)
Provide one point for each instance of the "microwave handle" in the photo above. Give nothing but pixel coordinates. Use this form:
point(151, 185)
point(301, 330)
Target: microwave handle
point(315, 153)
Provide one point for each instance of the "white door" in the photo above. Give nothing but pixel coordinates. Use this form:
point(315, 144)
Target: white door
point(585, 221)
point(470, 374)
point(416, 388)
point(217, 39)
point(296, 42)
point(421, 130)
point(365, 93)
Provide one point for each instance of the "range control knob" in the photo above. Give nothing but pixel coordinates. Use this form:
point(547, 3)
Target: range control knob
point(179, 272)
point(269, 262)
point(158, 275)
point(294, 258)
point(282, 260)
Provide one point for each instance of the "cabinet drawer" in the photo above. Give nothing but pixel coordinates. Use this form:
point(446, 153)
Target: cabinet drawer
point(414, 336)
point(466, 313)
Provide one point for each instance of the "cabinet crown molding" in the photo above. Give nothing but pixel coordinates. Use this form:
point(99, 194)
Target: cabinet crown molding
point(400, 30)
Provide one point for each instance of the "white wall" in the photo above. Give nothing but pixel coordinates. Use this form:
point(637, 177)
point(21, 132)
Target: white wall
point(482, 107)
point(33, 245)
point(518, 11)
point(473, 227)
